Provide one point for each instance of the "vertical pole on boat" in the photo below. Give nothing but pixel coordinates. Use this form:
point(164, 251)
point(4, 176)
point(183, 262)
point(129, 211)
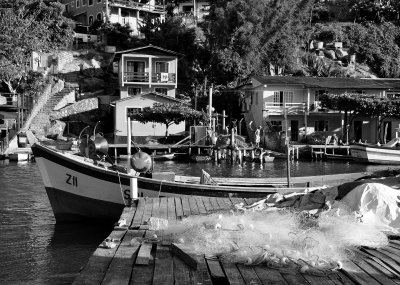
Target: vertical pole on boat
point(287, 147)
point(133, 187)
point(128, 145)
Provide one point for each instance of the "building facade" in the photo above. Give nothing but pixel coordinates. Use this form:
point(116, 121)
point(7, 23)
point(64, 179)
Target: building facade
point(124, 12)
point(146, 75)
point(279, 103)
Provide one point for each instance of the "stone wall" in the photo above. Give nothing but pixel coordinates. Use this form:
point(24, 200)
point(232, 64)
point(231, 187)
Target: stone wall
point(79, 107)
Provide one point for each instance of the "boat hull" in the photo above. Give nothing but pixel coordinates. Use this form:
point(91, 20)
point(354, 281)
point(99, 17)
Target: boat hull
point(80, 190)
point(375, 154)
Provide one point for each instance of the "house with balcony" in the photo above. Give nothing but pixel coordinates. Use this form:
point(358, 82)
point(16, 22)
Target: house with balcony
point(146, 75)
point(277, 103)
point(193, 12)
point(132, 12)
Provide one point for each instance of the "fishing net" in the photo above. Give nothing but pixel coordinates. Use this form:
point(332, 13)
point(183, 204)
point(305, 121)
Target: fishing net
point(277, 237)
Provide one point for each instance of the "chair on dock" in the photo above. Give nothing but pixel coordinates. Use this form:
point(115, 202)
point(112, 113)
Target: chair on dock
point(320, 153)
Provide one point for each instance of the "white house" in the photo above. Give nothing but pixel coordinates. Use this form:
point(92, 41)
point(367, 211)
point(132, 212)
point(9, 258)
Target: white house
point(277, 102)
point(145, 75)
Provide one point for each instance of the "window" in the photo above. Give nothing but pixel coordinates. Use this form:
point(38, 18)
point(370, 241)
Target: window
point(66, 8)
point(321, 126)
point(90, 2)
point(135, 66)
point(134, 91)
point(72, 4)
point(78, 3)
point(161, 67)
point(277, 125)
point(132, 111)
point(281, 97)
point(99, 1)
point(161, 90)
point(98, 17)
point(90, 19)
point(84, 2)
point(362, 92)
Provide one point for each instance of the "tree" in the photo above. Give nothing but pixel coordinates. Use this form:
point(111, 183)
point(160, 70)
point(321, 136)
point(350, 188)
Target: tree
point(168, 114)
point(27, 26)
point(362, 105)
point(249, 36)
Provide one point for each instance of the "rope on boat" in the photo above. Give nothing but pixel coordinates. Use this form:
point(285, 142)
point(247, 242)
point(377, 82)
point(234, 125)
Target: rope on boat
point(159, 191)
point(120, 187)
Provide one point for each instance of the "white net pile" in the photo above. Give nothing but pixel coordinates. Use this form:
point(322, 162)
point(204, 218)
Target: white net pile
point(278, 237)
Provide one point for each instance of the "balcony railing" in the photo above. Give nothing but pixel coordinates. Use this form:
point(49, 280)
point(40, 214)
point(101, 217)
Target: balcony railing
point(280, 108)
point(139, 6)
point(159, 77)
point(136, 77)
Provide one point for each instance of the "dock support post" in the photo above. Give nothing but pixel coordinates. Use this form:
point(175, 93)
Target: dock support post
point(134, 188)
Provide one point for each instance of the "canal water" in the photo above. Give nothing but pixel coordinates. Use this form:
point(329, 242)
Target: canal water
point(34, 250)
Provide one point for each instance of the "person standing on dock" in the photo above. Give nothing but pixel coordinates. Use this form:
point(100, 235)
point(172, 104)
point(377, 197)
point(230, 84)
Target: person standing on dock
point(257, 135)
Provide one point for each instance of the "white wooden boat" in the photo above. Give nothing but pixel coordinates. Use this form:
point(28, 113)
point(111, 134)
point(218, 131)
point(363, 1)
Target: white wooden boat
point(80, 188)
point(163, 156)
point(384, 154)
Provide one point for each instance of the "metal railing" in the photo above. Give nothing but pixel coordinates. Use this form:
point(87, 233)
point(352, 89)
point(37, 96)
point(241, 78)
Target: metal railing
point(136, 5)
point(279, 108)
point(159, 77)
point(136, 77)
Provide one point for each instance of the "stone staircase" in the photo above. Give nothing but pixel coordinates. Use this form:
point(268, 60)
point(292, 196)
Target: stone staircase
point(41, 121)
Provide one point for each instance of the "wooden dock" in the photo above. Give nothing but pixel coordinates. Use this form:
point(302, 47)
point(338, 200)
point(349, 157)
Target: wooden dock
point(153, 261)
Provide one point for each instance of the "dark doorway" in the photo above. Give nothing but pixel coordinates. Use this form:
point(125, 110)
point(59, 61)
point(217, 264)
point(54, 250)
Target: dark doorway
point(358, 130)
point(294, 130)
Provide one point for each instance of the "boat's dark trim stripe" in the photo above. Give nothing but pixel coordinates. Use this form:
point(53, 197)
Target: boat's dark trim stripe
point(40, 151)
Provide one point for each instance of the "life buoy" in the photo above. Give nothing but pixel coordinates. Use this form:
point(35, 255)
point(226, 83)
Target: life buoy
point(141, 162)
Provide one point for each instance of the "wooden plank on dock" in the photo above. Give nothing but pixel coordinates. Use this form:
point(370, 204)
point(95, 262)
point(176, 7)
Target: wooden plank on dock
point(185, 207)
point(193, 206)
point(143, 274)
point(163, 267)
point(222, 203)
point(248, 274)
point(232, 273)
point(383, 257)
point(143, 256)
point(171, 209)
point(356, 274)
point(339, 278)
point(200, 206)
point(178, 208)
point(293, 277)
point(214, 204)
point(216, 271)
point(126, 218)
point(163, 208)
point(201, 276)
point(376, 262)
point(269, 276)
point(207, 204)
point(147, 210)
point(137, 218)
point(119, 271)
point(181, 272)
point(94, 270)
point(156, 207)
point(185, 253)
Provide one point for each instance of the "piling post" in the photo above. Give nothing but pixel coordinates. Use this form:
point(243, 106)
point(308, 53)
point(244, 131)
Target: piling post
point(133, 188)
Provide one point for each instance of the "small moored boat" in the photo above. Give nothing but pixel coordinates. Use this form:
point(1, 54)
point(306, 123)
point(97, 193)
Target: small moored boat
point(379, 154)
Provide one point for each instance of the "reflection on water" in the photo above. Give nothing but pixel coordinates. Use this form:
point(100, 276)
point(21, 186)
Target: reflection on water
point(34, 250)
